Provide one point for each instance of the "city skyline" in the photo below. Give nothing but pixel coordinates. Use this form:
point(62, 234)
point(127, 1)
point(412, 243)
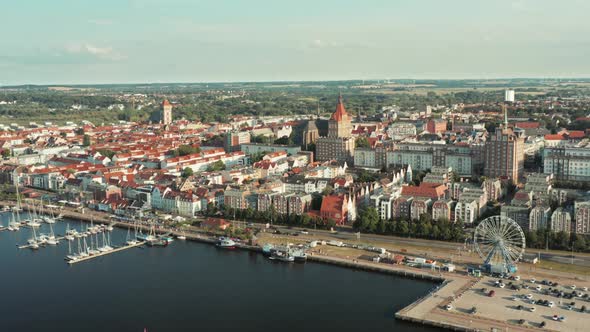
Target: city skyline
point(206, 41)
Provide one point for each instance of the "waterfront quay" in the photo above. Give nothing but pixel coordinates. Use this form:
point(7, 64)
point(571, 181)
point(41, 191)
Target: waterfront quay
point(461, 291)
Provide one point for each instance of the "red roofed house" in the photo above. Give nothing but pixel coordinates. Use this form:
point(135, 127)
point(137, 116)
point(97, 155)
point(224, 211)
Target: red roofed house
point(434, 191)
point(334, 207)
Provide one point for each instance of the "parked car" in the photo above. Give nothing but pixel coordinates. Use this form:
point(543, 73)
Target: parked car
point(448, 307)
point(532, 309)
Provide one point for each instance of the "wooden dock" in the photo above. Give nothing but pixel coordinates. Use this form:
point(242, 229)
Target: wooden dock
point(107, 252)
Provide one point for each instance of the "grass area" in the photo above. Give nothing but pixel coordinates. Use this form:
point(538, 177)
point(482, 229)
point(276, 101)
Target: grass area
point(569, 268)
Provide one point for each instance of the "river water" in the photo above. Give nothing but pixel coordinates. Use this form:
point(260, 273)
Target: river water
point(190, 286)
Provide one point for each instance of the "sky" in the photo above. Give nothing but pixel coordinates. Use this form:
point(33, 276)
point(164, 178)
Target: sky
point(158, 41)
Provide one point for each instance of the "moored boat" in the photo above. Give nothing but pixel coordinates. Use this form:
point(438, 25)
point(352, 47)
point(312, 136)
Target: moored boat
point(225, 243)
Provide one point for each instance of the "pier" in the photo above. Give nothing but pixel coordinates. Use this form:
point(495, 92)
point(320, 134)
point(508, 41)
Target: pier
point(129, 246)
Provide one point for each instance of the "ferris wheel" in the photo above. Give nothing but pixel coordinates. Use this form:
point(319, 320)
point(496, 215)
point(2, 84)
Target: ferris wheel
point(499, 241)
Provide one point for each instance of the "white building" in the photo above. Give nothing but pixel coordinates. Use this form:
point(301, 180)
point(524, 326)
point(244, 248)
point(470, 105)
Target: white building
point(561, 220)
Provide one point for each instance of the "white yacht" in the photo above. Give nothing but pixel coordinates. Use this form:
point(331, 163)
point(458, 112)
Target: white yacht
point(33, 223)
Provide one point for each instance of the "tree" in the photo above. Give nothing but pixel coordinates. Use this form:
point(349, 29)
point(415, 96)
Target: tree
point(579, 243)
point(186, 172)
point(106, 152)
point(5, 153)
point(362, 142)
point(367, 176)
point(216, 166)
point(185, 150)
point(367, 220)
point(86, 140)
point(402, 228)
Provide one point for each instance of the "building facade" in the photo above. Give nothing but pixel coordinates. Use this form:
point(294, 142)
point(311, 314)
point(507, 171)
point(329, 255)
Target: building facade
point(339, 144)
point(582, 216)
point(568, 163)
point(504, 154)
point(234, 139)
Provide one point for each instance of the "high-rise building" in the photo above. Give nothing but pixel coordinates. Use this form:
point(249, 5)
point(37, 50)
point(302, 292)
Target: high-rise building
point(509, 96)
point(582, 216)
point(539, 217)
point(339, 144)
point(504, 154)
point(166, 113)
point(234, 139)
point(561, 220)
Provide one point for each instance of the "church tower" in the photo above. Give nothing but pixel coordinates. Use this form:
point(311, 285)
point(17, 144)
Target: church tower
point(339, 144)
point(166, 113)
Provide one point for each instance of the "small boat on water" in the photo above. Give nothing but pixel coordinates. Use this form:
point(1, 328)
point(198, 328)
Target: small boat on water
point(282, 256)
point(156, 242)
point(225, 243)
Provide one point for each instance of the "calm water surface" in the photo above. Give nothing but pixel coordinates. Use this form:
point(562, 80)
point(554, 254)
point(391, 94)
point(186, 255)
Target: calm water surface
point(190, 286)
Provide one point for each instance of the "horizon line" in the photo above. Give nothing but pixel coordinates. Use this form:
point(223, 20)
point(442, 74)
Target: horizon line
point(301, 81)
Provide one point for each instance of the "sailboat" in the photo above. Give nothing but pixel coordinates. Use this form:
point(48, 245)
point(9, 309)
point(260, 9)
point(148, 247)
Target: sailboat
point(50, 217)
point(130, 241)
point(70, 233)
point(70, 256)
point(14, 225)
point(84, 251)
point(33, 242)
point(93, 250)
point(51, 240)
point(18, 207)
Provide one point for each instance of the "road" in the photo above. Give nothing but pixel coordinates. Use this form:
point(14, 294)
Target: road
point(347, 234)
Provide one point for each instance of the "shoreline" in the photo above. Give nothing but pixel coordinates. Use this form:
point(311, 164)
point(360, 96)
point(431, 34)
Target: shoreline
point(422, 311)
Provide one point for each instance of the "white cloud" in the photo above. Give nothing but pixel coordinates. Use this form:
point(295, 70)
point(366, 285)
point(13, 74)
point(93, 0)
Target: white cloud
point(105, 53)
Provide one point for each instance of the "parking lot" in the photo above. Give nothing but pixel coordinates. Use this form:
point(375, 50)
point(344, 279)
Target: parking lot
point(516, 306)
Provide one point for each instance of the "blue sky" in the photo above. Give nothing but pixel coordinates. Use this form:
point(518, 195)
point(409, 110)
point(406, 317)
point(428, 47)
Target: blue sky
point(134, 41)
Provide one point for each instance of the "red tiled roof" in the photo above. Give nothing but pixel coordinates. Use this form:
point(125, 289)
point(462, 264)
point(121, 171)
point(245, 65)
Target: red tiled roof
point(340, 111)
point(576, 134)
point(431, 190)
point(527, 125)
point(554, 137)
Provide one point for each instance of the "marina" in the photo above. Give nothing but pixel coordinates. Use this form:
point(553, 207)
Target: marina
point(195, 277)
point(101, 254)
point(426, 310)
